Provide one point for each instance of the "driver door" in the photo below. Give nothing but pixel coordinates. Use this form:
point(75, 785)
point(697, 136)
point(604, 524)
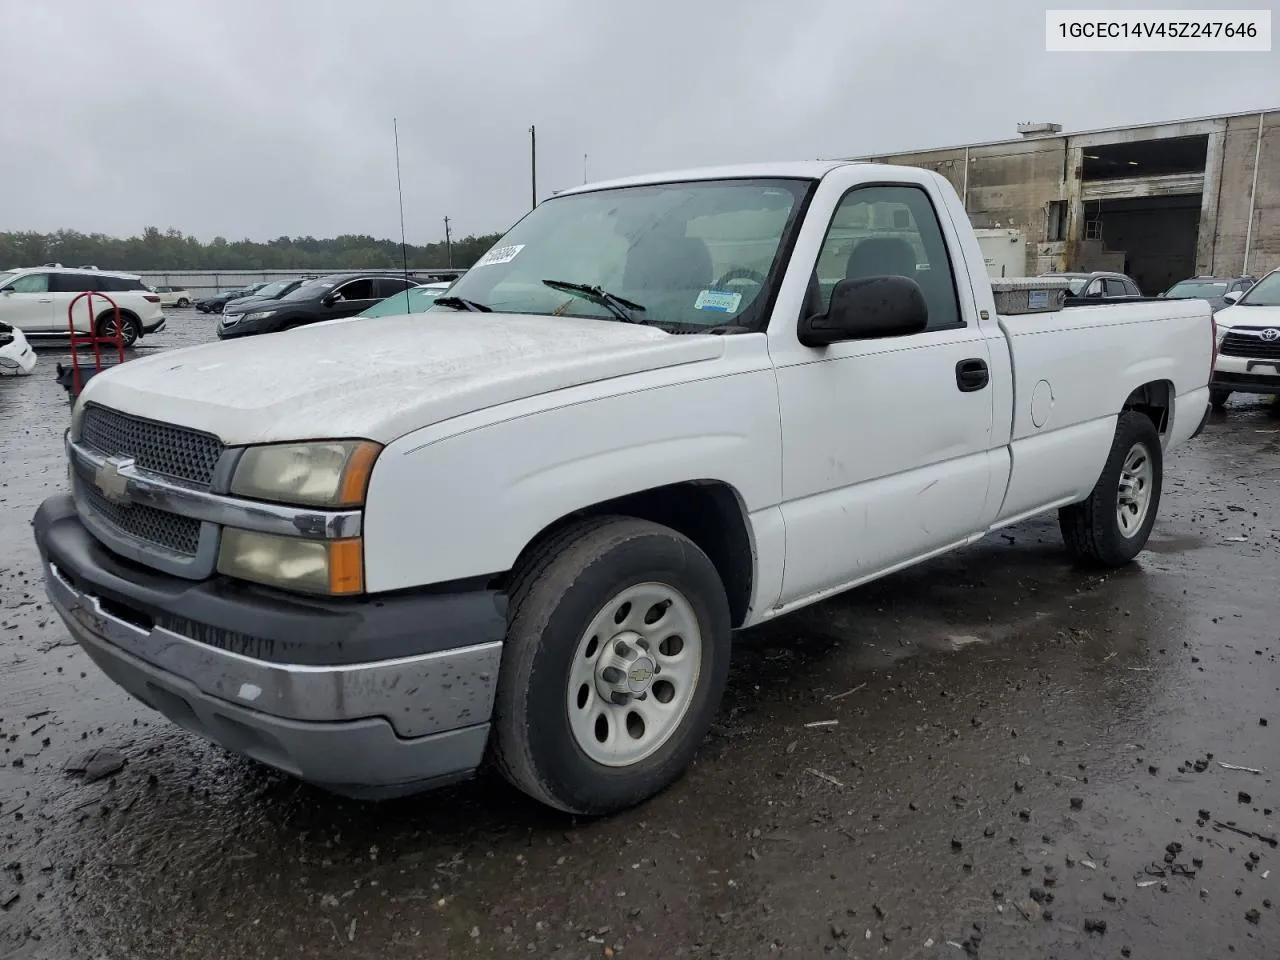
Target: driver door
point(27, 304)
point(886, 441)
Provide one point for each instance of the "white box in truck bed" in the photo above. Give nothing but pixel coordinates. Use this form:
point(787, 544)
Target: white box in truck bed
point(524, 525)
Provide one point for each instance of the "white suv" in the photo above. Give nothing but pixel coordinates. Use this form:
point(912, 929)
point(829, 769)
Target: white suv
point(36, 300)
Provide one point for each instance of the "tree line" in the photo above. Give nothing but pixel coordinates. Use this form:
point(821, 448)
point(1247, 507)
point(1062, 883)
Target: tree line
point(171, 251)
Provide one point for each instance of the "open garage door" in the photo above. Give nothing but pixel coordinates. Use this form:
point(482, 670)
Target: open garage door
point(1157, 236)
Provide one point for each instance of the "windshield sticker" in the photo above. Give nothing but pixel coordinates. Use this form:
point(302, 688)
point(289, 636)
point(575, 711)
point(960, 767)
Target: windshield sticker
point(500, 255)
point(721, 301)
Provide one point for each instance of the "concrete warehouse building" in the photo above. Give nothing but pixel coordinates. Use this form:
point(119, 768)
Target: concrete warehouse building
point(1161, 202)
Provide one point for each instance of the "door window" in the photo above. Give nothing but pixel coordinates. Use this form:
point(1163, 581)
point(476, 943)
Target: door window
point(31, 283)
point(75, 282)
point(1115, 288)
point(356, 290)
point(889, 231)
point(389, 286)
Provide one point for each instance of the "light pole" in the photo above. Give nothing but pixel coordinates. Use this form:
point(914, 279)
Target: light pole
point(533, 163)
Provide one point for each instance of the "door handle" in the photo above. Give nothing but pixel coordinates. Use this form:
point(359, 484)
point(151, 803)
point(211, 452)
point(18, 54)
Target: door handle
point(972, 375)
point(45, 300)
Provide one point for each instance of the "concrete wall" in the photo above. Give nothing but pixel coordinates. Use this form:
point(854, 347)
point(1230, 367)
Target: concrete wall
point(1011, 184)
point(1231, 227)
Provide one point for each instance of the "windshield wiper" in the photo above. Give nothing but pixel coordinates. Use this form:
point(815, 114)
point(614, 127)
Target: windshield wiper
point(620, 308)
point(461, 303)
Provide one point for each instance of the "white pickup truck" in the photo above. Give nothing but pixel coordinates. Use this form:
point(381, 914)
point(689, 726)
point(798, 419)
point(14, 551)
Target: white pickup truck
point(525, 525)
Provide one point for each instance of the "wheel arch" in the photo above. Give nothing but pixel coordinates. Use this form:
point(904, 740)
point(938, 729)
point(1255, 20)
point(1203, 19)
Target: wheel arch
point(711, 513)
point(1155, 400)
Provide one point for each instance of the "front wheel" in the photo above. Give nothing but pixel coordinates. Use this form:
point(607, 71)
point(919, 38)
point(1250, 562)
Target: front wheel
point(616, 659)
point(1111, 527)
point(1218, 397)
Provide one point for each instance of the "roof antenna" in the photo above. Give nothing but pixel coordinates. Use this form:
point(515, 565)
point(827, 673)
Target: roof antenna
point(404, 250)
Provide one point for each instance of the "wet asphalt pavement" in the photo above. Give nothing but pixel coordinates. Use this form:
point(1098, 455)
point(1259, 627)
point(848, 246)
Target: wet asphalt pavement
point(994, 754)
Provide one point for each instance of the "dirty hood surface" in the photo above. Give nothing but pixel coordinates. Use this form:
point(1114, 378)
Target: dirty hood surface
point(384, 377)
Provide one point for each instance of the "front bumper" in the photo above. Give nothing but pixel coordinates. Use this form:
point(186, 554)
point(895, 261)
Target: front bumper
point(1245, 375)
point(359, 724)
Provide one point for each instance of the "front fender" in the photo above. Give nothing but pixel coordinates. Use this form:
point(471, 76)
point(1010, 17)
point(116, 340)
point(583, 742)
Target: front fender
point(462, 499)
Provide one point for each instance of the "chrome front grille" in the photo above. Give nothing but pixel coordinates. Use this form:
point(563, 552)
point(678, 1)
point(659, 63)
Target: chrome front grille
point(159, 447)
point(1250, 343)
point(151, 527)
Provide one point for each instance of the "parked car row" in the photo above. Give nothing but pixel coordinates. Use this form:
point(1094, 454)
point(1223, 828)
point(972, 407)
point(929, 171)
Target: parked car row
point(1221, 292)
point(217, 302)
point(333, 297)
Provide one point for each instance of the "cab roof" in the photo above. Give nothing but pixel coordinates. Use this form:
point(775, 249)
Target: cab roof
point(789, 170)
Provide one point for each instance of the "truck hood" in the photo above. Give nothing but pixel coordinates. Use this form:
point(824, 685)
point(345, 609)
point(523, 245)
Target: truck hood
point(1247, 316)
point(383, 378)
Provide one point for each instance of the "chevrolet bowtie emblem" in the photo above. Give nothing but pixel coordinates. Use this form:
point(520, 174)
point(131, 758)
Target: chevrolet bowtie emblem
point(111, 482)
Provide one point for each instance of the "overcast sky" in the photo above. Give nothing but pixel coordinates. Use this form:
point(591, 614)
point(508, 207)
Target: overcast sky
point(257, 119)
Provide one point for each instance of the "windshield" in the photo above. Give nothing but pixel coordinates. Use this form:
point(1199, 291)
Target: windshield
point(309, 290)
point(1264, 293)
point(699, 253)
point(6, 276)
point(274, 289)
point(1194, 289)
point(413, 300)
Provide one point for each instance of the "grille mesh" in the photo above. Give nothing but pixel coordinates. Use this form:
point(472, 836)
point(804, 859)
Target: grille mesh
point(178, 534)
point(159, 447)
point(1240, 345)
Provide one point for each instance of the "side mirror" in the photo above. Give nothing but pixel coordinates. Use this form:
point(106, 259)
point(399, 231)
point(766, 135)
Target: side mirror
point(329, 299)
point(866, 308)
point(1233, 296)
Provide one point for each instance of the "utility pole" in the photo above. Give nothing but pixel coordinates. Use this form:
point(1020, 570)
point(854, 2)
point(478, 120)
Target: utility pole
point(584, 168)
point(533, 163)
point(448, 244)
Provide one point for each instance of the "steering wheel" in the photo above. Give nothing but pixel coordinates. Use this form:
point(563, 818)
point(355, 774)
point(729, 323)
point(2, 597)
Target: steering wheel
point(741, 273)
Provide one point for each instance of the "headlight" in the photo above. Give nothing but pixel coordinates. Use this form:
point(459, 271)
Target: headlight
point(261, 315)
point(1222, 334)
point(330, 567)
point(325, 474)
point(229, 319)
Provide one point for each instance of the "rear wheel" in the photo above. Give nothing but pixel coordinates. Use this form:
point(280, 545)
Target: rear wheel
point(1111, 527)
point(1218, 397)
point(129, 327)
point(182, 303)
point(616, 659)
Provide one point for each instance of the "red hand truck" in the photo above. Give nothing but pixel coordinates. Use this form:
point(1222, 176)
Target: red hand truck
point(73, 378)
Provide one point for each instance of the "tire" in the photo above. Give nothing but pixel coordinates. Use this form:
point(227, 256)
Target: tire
point(1092, 529)
point(551, 667)
point(182, 303)
point(1218, 397)
point(129, 326)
